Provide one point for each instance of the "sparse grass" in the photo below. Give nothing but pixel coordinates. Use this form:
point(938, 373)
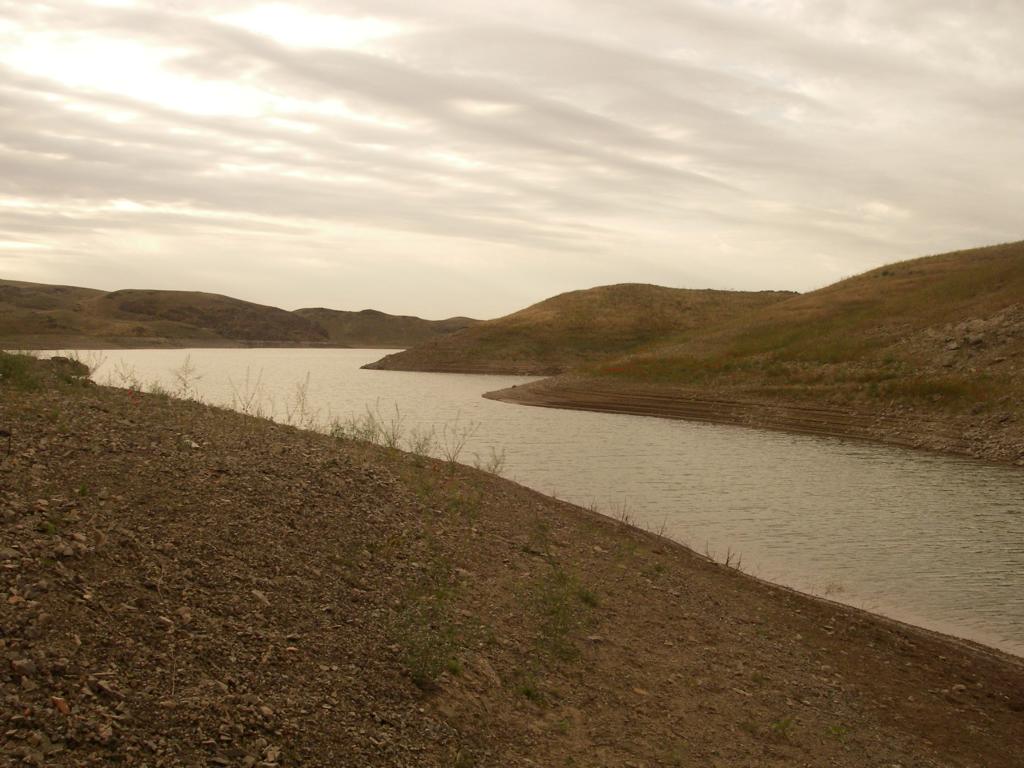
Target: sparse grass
point(493, 463)
point(424, 628)
point(297, 409)
point(124, 376)
point(421, 441)
point(18, 370)
point(453, 439)
point(530, 690)
point(247, 397)
point(838, 732)
point(782, 728)
point(186, 377)
point(561, 605)
point(583, 327)
point(875, 337)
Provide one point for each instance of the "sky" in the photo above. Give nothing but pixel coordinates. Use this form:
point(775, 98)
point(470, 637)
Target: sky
point(460, 157)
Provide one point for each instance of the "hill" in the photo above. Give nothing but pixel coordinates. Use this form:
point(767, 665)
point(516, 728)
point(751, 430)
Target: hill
point(191, 314)
point(373, 329)
point(185, 585)
point(932, 345)
point(576, 328)
point(37, 316)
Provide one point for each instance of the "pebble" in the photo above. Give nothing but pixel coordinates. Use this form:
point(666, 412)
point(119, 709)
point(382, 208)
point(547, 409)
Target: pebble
point(23, 667)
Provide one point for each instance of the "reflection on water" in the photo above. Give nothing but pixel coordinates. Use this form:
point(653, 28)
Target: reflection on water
point(935, 540)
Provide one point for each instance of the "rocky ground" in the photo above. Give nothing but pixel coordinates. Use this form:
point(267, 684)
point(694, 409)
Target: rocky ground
point(182, 585)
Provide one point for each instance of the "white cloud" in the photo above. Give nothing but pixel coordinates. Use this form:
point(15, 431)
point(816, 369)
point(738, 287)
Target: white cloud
point(466, 158)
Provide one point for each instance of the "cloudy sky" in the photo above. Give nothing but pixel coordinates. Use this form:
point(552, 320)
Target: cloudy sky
point(473, 156)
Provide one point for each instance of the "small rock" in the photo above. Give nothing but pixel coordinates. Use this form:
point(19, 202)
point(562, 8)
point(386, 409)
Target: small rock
point(6, 553)
point(61, 705)
point(23, 667)
point(261, 597)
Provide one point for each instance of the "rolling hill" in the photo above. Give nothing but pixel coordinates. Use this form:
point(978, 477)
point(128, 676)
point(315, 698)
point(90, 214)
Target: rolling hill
point(577, 328)
point(926, 352)
point(37, 316)
point(945, 328)
point(373, 329)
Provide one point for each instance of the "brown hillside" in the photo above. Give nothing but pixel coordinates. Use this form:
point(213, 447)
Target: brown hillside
point(195, 314)
point(927, 352)
point(37, 316)
point(576, 328)
point(28, 309)
point(372, 329)
point(948, 329)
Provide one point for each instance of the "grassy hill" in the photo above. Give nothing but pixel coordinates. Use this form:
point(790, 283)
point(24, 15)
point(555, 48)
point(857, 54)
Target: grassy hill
point(947, 330)
point(373, 329)
point(183, 313)
point(37, 316)
point(927, 353)
point(31, 309)
point(577, 328)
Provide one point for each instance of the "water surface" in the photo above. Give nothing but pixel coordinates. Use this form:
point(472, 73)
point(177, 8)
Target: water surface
point(935, 540)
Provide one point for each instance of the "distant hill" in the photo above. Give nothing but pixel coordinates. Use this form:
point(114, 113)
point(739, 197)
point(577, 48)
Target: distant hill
point(37, 316)
point(577, 328)
point(927, 352)
point(372, 329)
point(941, 327)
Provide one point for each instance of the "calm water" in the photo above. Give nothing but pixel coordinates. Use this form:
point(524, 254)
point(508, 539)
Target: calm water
point(934, 540)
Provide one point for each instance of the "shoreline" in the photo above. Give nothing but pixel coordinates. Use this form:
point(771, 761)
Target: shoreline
point(990, 440)
point(177, 568)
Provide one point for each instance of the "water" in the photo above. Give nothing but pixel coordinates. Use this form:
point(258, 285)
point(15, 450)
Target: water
point(934, 540)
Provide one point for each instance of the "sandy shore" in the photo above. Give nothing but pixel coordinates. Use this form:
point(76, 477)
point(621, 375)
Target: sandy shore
point(990, 437)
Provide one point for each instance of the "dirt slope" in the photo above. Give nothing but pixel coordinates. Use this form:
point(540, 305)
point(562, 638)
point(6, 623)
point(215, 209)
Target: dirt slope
point(576, 328)
point(187, 586)
point(372, 329)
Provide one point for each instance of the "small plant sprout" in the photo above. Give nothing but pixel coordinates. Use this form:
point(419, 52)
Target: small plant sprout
point(297, 408)
point(422, 441)
point(124, 376)
point(493, 464)
point(454, 436)
point(186, 376)
point(247, 398)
